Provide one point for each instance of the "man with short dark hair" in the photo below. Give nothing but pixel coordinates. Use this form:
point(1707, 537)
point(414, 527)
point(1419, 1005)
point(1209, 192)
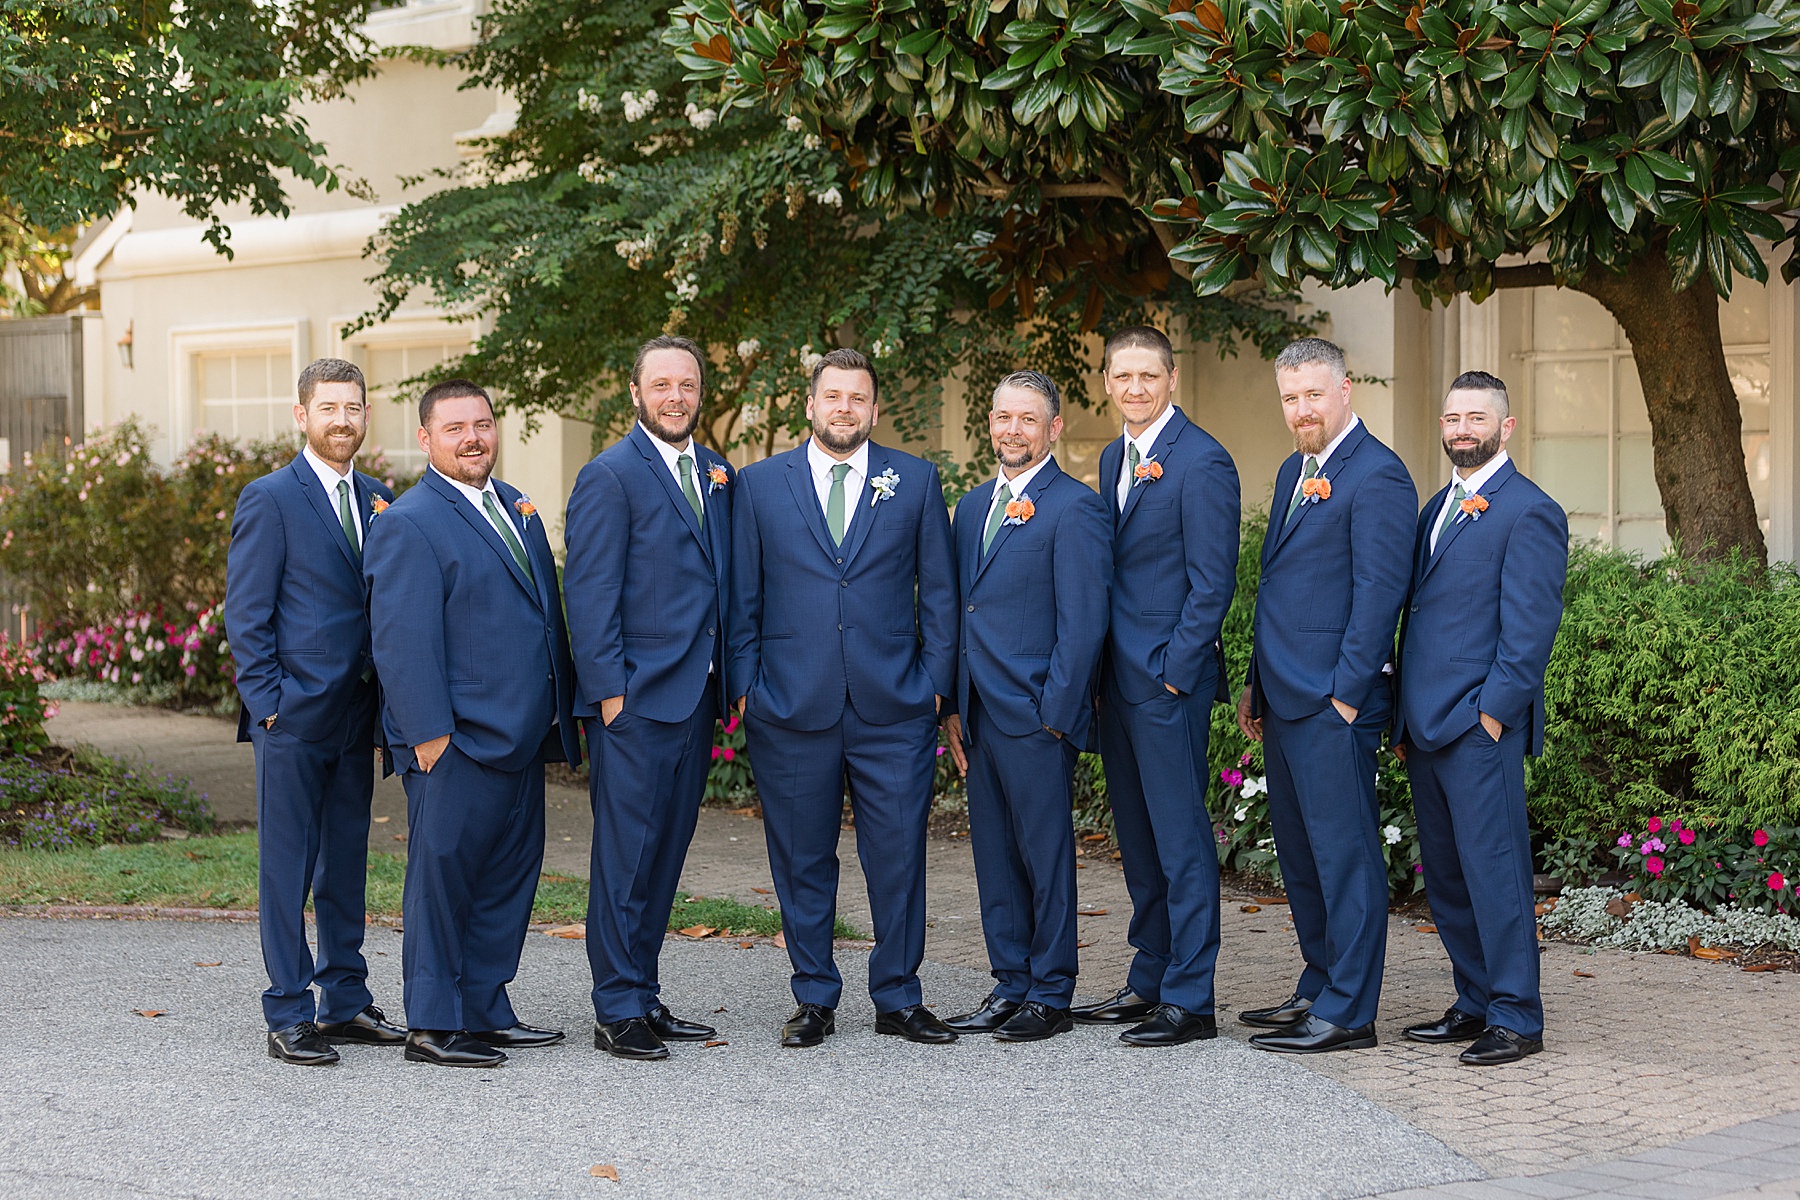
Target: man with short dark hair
point(1490, 555)
point(467, 628)
point(649, 539)
point(842, 650)
point(296, 618)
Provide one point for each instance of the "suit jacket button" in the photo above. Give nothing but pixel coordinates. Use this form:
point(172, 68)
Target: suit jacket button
point(843, 583)
point(1415, 608)
point(840, 629)
point(971, 608)
point(709, 633)
point(840, 562)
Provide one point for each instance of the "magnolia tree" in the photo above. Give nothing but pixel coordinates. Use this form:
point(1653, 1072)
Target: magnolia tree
point(1640, 151)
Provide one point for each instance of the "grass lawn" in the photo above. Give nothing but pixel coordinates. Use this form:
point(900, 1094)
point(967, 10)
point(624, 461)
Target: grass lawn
point(220, 872)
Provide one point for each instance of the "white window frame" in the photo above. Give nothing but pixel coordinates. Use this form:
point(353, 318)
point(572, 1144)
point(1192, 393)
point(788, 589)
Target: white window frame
point(406, 327)
point(187, 342)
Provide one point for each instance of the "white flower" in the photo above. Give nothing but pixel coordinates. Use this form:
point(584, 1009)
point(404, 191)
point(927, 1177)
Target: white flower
point(1255, 787)
point(811, 141)
point(795, 124)
point(638, 107)
point(1391, 835)
point(1241, 813)
point(686, 288)
point(831, 196)
point(747, 349)
point(879, 349)
point(808, 358)
point(700, 118)
point(586, 101)
point(752, 415)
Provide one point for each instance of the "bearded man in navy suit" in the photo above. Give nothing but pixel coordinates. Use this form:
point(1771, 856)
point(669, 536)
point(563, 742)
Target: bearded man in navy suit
point(843, 649)
point(1335, 570)
point(1490, 557)
point(298, 624)
point(649, 538)
point(467, 628)
point(1034, 557)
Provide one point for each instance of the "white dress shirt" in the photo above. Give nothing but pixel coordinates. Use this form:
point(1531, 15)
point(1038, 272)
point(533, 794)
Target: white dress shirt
point(821, 464)
point(1324, 456)
point(1143, 441)
point(474, 495)
point(671, 456)
point(1471, 485)
point(1017, 486)
point(329, 480)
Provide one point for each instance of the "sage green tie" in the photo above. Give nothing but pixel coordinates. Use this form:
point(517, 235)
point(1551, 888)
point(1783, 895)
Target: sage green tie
point(347, 517)
point(1132, 458)
point(1311, 472)
point(1456, 500)
point(996, 518)
point(686, 463)
point(507, 535)
point(834, 504)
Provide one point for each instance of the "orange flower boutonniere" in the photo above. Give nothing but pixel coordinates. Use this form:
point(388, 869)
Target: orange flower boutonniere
point(1149, 469)
point(1315, 489)
point(716, 478)
point(1019, 511)
point(378, 505)
point(526, 508)
point(1474, 506)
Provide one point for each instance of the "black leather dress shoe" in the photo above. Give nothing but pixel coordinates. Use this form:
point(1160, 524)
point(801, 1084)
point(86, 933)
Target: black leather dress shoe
point(993, 1013)
point(1315, 1035)
point(370, 1026)
point(671, 1028)
point(1496, 1046)
point(1278, 1016)
point(1034, 1022)
point(518, 1037)
point(1172, 1025)
point(810, 1025)
point(631, 1038)
point(301, 1045)
point(450, 1048)
point(1123, 1007)
point(1456, 1026)
point(915, 1023)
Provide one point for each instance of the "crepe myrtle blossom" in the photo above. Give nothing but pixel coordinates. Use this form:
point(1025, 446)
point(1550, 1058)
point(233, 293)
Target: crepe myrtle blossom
point(830, 196)
point(700, 118)
point(795, 125)
point(638, 107)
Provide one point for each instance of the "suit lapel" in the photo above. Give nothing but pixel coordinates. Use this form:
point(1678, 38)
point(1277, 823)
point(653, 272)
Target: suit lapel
point(1033, 492)
point(1285, 479)
point(1334, 468)
point(465, 508)
point(1159, 451)
point(799, 475)
point(653, 459)
point(868, 508)
point(324, 508)
point(509, 506)
point(1422, 535)
point(968, 532)
point(1109, 476)
point(1464, 520)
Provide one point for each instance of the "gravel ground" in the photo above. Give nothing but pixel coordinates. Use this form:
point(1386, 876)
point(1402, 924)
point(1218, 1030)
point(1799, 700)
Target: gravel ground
point(98, 1102)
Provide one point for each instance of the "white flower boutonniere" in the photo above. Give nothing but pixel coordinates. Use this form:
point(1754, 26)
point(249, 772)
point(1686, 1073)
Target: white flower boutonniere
point(884, 486)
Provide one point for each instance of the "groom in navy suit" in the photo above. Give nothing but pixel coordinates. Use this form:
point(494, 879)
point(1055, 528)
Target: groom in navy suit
point(1491, 553)
point(842, 651)
point(1335, 570)
point(1034, 557)
point(467, 629)
point(299, 630)
point(649, 535)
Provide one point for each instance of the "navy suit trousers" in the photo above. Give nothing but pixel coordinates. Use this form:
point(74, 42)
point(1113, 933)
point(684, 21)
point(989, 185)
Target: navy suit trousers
point(1156, 774)
point(1470, 801)
point(475, 848)
point(1022, 829)
point(801, 777)
point(645, 780)
point(1322, 804)
point(312, 836)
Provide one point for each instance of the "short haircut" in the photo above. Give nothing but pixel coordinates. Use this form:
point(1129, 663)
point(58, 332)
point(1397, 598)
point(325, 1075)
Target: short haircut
point(330, 370)
point(1311, 351)
point(1139, 337)
point(845, 359)
point(665, 341)
point(1033, 381)
point(450, 389)
point(1481, 381)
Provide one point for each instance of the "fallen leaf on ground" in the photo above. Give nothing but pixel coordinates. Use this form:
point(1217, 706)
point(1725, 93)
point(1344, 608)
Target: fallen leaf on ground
point(1580, 974)
point(567, 931)
point(1763, 967)
point(1619, 906)
point(1250, 908)
point(399, 837)
point(149, 1012)
point(1094, 837)
point(695, 899)
point(1270, 899)
point(781, 940)
point(192, 857)
point(1547, 906)
point(763, 891)
point(1712, 953)
point(1082, 945)
point(381, 820)
point(715, 1042)
point(718, 1010)
point(743, 812)
point(1092, 912)
point(697, 931)
point(604, 1171)
point(201, 964)
point(1081, 866)
point(1426, 928)
point(745, 945)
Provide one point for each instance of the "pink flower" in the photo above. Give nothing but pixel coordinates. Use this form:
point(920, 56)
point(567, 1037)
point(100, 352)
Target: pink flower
point(1675, 824)
point(1231, 776)
point(1759, 838)
point(1624, 839)
point(1655, 825)
point(1685, 837)
point(1652, 845)
point(1418, 869)
point(940, 752)
point(1244, 759)
point(728, 754)
point(1654, 865)
point(715, 753)
point(731, 725)
point(1776, 881)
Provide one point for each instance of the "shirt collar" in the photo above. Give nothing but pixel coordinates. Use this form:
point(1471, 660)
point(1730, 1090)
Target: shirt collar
point(1479, 479)
point(1019, 483)
point(328, 476)
point(671, 454)
point(822, 462)
point(1336, 441)
point(474, 494)
point(1147, 439)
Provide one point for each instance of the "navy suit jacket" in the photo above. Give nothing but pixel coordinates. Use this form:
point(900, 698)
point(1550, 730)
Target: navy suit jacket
point(873, 619)
point(646, 583)
point(1333, 581)
point(296, 613)
point(1483, 614)
point(1175, 558)
point(468, 646)
point(1034, 607)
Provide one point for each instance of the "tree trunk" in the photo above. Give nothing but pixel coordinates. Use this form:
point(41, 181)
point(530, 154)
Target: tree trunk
point(1695, 424)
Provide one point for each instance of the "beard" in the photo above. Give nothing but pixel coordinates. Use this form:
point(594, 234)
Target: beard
point(1014, 457)
point(336, 444)
point(1313, 439)
point(674, 434)
point(841, 443)
point(472, 470)
point(1467, 457)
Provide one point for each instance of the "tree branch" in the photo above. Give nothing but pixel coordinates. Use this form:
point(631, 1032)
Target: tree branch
point(1524, 275)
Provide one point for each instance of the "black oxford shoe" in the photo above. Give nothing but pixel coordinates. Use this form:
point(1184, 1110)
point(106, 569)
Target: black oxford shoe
point(810, 1025)
point(993, 1013)
point(671, 1028)
point(915, 1023)
point(518, 1037)
point(301, 1045)
point(1496, 1046)
point(1172, 1025)
point(450, 1048)
point(1034, 1022)
point(1278, 1016)
point(1456, 1026)
point(368, 1026)
point(1315, 1035)
point(631, 1038)
point(1123, 1007)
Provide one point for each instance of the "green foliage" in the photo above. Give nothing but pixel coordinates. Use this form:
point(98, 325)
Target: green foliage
point(62, 800)
point(23, 709)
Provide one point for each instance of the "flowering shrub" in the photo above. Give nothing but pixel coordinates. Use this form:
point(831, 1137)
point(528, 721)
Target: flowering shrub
point(1709, 866)
point(188, 658)
point(23, 710)
point(89, 799)
point(729, 780)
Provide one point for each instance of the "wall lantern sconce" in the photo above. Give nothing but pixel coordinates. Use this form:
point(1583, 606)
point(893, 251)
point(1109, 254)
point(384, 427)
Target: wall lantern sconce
point(125, 346)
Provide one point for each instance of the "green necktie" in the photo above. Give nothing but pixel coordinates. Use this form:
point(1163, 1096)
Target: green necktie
point(1311, 472)
point(347, 517)
point(686, 463)
point(1456, 500)
point(834, 504)
point(507, 535)
point(1132, 458)
point(995, 518)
